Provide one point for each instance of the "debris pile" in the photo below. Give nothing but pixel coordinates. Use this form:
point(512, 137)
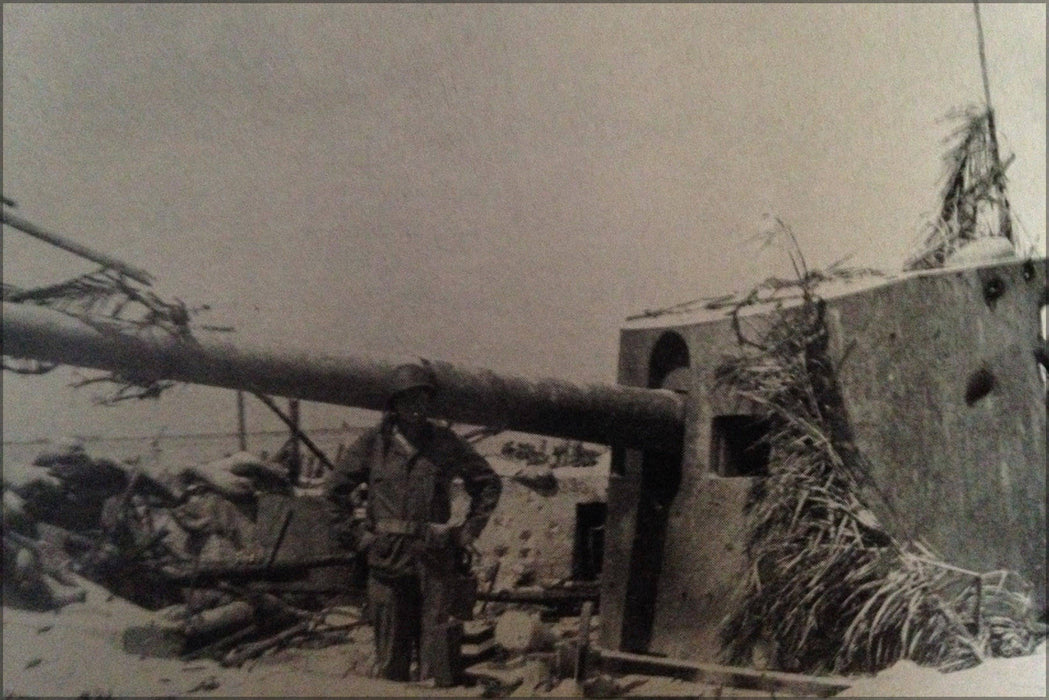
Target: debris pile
point(567, 453)
point(235, 564)
point(237, 624)
point(178, 542)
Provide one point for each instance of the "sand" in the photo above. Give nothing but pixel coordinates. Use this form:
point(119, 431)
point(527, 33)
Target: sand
point(1022, 676)
point(77, 650)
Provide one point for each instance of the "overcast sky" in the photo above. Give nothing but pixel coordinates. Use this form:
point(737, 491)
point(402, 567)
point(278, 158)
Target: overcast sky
point(493, 185)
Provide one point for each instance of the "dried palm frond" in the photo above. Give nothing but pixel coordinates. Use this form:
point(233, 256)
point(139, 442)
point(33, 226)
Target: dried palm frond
point(109, 301)
point(972, 202)
point(828, 585)
point(773, 290)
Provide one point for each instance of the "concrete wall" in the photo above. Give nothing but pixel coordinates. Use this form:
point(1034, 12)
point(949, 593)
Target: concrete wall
point(533, 530)
point(966, 475)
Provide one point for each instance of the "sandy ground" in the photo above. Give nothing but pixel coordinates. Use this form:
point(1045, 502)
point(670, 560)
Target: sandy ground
point(77, 650)
point(1023, 676)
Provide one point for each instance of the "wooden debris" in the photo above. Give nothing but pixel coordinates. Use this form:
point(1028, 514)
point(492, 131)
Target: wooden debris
point(154, 641)
point(563, 599)
point(212, 572)
point(251, 651)
point(225, 617)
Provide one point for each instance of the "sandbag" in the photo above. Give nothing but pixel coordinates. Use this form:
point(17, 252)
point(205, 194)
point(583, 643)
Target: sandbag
point(242, 474)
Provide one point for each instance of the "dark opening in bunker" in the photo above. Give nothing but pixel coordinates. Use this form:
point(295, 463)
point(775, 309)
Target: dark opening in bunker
point(589, 540)
point(738, 446)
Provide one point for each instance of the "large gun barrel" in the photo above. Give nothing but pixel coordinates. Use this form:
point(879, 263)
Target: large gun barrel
point(607, 414)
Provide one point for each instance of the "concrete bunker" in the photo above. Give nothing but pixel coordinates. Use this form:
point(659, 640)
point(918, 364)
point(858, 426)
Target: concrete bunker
point(940, 393)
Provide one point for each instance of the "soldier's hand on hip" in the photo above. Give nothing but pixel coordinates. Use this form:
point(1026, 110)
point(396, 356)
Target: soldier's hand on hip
point(438, 535)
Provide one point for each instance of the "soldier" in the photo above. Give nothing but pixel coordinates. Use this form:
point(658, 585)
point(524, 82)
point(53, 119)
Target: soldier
point(413, 552)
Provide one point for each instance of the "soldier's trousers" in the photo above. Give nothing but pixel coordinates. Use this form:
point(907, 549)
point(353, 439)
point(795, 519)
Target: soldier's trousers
point(412, 613)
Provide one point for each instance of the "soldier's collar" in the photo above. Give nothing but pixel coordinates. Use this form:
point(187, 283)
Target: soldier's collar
point(406, 445)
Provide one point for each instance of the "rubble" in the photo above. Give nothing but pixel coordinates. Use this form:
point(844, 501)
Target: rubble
point(235, 570)
point(520, 631)
point(253, 610)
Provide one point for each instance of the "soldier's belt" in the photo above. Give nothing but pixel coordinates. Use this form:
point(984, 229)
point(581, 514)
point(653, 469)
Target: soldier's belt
point(396, 526)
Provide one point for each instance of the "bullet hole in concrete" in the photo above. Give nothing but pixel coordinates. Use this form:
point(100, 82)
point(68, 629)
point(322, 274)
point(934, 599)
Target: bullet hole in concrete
point(980, 384)
point(993, 289)
point(1028, 270)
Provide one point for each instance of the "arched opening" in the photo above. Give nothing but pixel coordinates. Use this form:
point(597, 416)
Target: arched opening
point(669, 353)
point(660, 480)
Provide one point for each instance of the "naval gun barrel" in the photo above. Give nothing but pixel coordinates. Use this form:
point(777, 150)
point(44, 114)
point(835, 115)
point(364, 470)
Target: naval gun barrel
point(600, 413)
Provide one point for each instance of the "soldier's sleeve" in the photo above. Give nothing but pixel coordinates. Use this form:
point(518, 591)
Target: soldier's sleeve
point(482, 484)
point(351, 470)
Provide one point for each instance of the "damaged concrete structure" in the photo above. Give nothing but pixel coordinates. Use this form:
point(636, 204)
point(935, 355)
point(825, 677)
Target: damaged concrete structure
point(543, 535)
point(942, 387)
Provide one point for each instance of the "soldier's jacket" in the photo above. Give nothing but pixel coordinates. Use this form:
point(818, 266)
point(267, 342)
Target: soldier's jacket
point(409, 485)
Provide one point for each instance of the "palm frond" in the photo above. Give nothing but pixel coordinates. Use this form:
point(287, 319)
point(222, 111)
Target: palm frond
point(972, 203)
point(827, 584)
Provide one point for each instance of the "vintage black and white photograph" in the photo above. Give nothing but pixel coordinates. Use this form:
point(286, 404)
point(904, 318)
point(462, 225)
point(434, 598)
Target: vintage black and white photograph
point(524, 350)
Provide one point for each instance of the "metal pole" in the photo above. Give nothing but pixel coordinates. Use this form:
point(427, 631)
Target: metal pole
point(599, 413)
point(295, 467)
point(983, 57)
point(75, 248)
point(242, 434)
point(1005, 226)
point(295, 431)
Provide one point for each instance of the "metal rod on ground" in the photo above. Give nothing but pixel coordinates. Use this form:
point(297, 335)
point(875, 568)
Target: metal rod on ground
point(621, 662)
point(75, 248)
point(242, 434)
point(291, 426)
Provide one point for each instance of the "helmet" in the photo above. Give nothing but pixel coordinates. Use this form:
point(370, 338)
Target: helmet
point(410, 376)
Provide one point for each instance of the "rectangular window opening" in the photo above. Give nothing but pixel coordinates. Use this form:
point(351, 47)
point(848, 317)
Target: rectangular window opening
point(589, 541)
point(738, 446)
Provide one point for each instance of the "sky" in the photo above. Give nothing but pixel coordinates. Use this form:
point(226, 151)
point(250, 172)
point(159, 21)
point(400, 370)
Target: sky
point(495, 185)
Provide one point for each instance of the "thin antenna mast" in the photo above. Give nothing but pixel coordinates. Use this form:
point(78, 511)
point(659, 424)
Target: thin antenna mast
point(1004, 221)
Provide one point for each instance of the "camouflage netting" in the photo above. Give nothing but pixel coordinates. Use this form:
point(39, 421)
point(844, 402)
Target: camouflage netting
point(828, 588)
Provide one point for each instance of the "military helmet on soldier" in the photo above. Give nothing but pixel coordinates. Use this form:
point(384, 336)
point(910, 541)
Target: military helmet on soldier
point(410, 376)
